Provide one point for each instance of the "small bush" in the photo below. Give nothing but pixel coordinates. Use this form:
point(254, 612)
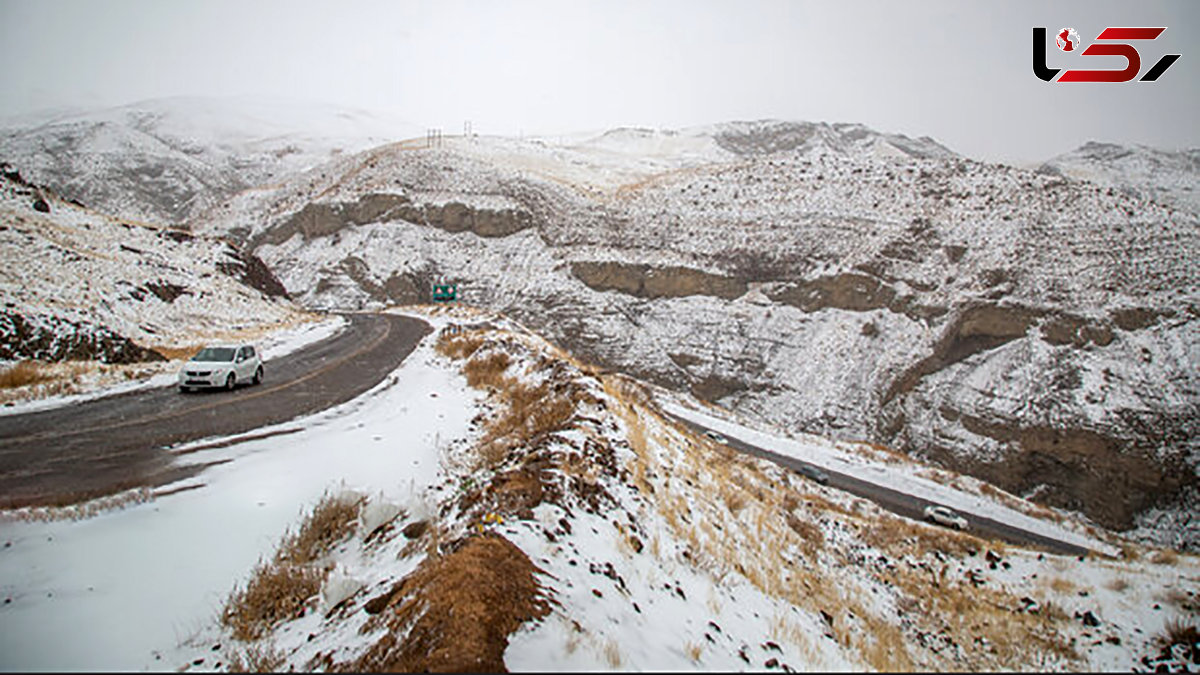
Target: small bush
point(1164, 557)
point(331, 520)
point(486, 371)
point(23, 374)
point(1178, 631)
point(277, 591)
point(459, 345)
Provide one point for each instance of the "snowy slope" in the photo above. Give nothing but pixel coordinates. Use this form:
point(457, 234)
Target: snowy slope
point(1166, 176)
point(658, 550)
point(95, 290)
point(1033, 330)
point(167, 160)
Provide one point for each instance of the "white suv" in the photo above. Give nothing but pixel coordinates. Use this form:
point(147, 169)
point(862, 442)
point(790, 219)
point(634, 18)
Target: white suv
point(222, 366)
point(945, 516)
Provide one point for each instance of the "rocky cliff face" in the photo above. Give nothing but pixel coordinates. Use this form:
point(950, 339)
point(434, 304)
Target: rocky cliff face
point(1031, 328)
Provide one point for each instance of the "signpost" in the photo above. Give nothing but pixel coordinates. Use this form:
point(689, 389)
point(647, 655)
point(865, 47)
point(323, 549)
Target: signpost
point(445, 293)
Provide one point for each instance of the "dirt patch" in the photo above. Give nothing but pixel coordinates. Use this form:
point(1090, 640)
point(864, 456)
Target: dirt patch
point(251, 271)
point(1082, 470)
point(648, 281)
point(454, 613)
point(53, 339)
point(319, 219)
point(974, 329)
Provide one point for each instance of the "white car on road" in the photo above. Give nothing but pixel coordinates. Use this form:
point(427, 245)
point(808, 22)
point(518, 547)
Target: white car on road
point(945, 516)
point(222, 366)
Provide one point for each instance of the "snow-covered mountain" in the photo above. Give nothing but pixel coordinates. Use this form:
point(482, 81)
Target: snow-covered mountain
point(1032, 329)
point(493, 505)
point(77, 284)
point(1165, 176)
point(167, 160)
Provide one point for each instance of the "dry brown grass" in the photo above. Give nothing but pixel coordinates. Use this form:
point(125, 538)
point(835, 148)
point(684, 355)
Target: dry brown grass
point(486, 371)
point(279, 589)
point(1179, 631)
point(454, 613)
point(459, 345)
point(1117, 584)
point(1062, 585)
point(23, 374)
point(899, 536)
point(1164, 557)
point(331, 521)
point(276, 592)
point(179, 353)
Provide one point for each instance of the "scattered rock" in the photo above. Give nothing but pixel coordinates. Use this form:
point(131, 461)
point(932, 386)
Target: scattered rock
point(415, 529)
point(771, 663)
point(769, 646)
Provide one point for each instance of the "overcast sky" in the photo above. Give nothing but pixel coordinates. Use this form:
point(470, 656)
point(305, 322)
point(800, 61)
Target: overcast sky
point(957, 71)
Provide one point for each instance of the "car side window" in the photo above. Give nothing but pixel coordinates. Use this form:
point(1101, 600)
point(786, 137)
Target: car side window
point(241, 356)
point(249, 352)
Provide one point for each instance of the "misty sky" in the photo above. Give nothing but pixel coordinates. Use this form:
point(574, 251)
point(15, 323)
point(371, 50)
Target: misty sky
point(957, 71)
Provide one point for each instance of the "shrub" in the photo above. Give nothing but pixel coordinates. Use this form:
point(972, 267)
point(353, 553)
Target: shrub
point(23, 374)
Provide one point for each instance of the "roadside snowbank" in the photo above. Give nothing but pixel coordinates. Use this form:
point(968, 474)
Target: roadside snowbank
point(168, 564)
point(901, 478)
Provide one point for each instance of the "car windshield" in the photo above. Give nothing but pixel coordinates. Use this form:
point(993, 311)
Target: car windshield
point(215, 354)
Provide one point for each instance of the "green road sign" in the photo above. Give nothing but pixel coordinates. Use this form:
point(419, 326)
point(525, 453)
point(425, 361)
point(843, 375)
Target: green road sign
point(445, 292)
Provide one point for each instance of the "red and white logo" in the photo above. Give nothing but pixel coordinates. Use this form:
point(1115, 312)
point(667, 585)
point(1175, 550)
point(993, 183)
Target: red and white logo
point(1111, 41)
point(1068, 39)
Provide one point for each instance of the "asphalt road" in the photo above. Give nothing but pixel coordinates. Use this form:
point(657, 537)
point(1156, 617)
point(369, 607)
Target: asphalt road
point(903, 504)
point(100, 447)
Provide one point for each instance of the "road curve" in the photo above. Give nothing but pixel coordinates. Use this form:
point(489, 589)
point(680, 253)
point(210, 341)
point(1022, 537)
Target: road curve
point(900, 503)
point(99, 447)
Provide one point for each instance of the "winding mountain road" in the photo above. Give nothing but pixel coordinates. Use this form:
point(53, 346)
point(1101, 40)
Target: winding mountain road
point(900, 503)
point(103, 446)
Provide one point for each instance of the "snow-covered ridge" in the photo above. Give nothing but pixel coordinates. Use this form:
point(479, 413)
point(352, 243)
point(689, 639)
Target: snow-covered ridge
point(168, 160)
point(922, 302)
point(662, 553)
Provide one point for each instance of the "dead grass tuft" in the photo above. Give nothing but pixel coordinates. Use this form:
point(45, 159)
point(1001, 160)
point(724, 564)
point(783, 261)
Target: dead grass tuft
point(1117, 584)
point(1179, 631)
point(454, 613)
point(278, 589)
point(1164, 557)
point(276, 592)
point(459, 345)
point(332, 520)
point(899, 536)
point(486, 371)
point(23, 374)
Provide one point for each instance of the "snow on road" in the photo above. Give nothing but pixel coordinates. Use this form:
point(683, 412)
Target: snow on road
point(834, 456)
point(122, 590)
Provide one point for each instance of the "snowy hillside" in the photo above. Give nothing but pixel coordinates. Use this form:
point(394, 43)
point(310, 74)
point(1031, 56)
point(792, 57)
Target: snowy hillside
point(78, 285)
point(1168, 177)
point(493, 505)
point(1034, 330)
point(167, 160)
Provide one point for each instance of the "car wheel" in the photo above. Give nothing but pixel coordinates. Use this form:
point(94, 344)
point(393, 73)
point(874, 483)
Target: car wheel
point(258, 376)
point(231, 382)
